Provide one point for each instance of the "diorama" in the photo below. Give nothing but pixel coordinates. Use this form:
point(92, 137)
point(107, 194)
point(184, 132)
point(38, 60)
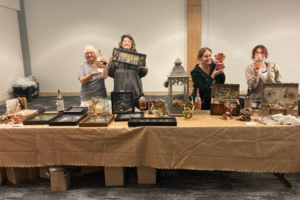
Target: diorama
point(122, 102)
point(279, 98)
point(152, 122)
point(129, 57)
point(225, 97)
point(76, 110)
point(43, 118)
point(67, 120)
point(97, 121)
point(127, 116)
point(156, 106)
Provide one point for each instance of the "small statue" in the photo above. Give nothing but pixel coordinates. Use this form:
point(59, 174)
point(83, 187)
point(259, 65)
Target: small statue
point(219, 60)
point(245, 115)
point(60, 102)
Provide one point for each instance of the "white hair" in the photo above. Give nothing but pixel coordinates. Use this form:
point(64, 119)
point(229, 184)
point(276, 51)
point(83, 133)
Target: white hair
point(89, 48)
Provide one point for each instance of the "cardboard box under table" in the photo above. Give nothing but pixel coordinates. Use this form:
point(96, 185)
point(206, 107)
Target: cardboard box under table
point(60, 181)
point(279, 98)
point(114, 176)
point(2, 175)
point(223, 94)
point(16, 175)
point(146, 175)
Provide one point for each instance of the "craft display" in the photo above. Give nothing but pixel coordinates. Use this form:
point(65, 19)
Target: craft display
point(152, 122)
point(157, 106)
point(188, 110)
point(67, 120)
point(219, 60)
point(224, 94)
point(60, 102)
point(122, 102)
point(97, 121)
point(12, 106)
point(129, 57)
point(245, 115)
point(43, 118)
point(76, 110)
point(279, 98)
point(127, 116)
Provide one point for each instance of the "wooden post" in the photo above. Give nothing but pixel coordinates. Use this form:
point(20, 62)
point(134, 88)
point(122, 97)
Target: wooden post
point(193, 36)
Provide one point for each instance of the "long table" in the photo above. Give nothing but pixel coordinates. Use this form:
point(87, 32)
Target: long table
point(204, 143)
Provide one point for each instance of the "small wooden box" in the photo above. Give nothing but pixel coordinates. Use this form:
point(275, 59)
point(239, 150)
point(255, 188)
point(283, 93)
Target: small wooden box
point(279, 98)
point(221, 94)
point(60, 182)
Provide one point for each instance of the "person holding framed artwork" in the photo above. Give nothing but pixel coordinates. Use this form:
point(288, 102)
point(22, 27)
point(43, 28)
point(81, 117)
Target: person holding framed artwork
point(92, 74)
point(127, 78)
point(204, 75)
point(260, 71)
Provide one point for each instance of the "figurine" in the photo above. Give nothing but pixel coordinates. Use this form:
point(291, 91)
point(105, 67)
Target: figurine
point(245, 115)
point(219, 60)
point(60, 102)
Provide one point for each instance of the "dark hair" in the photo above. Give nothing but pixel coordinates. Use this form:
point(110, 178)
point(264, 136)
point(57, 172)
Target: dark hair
point(202, 51)
point(132, 40)
point(264, 50)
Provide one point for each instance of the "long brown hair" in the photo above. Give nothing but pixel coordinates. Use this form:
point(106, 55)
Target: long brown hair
point(132, 41)
point(202, 51)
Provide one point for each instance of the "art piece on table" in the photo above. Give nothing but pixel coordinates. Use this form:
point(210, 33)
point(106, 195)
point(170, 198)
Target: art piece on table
point(127, 116)
point(76, 110)
point(43, 118)
point(222, 95)
point(156, 105)
point(67, 120)
point(279, 98)
point(152, 122)
point(97, 121)
point(129, 57)
point(219, 60)
point(122, 102)
point(12, 106)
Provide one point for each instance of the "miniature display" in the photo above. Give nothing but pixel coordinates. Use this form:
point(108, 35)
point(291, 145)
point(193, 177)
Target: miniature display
point(245, 114)
point(188, 109)
point(127, 116)
point(96, 121)
point(129, 57)
point(66, 119)
point(152, 122)
point(219, 60)
point(76, 110)
point(122, 102)
point(43, 118)
point(60, 102)
point(155, 106)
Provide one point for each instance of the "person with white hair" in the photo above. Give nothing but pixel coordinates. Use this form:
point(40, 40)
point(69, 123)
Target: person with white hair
point(92, 79)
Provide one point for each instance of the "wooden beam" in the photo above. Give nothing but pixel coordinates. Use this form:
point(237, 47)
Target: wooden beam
point(193, 36)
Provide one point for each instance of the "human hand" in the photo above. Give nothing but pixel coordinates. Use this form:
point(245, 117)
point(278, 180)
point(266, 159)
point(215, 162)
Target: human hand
point(110, 58)
point(144, 68)
point(257, 66)
point(95, 73)
point(216, 72)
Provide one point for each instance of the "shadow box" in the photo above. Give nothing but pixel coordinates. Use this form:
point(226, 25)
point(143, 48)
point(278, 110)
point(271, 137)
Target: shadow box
point(40, 119)
point(76, 110)
point(152, 122)
point(222, 94)
point(122, 102)
point(67, 120)
point(96, 121)
point(129, 57)
point(127, 116)
point(154, 105)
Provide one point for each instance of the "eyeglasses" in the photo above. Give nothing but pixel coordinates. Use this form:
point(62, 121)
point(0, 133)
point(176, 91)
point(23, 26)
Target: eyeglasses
point(89, 52)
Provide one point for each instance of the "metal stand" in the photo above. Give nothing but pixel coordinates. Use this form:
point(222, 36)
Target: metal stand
point(281, 177)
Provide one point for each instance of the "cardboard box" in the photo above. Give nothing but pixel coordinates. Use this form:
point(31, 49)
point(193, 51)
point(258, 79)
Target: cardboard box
point(146, 175)
point(2, 175)
point(43, 171)
point(16, 175)
point(60, 182)
point(114, 176)
point(222, 94)
point(90, 169)
point(33, 172)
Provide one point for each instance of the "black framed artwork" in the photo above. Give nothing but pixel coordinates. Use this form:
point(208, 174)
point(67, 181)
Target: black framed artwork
point(97, 121)
point(122, 102)
point(127, 116)
point(152, 122)
point(128, 57)
point(43, 118)
point(76, 110)
point(67, 120)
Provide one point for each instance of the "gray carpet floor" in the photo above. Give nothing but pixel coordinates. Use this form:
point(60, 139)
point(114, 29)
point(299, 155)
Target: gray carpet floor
point(172, 184)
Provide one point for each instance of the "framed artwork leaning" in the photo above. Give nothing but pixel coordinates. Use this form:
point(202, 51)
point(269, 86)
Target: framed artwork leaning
point(152, 122)
point(67, 120)
point(128, 57)
point(40, 119)
point(76, 110)
point(122, 102)
point(96, 121)
point(127, 116)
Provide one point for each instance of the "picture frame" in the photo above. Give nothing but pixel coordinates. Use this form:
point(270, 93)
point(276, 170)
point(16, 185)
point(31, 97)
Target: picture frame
point(129, 57)
point(97, 121)
point(41, 119)
point(154, 105)
point(122, 102)
point(127, 116)
point(67, 120)
point(76, 110)
point(152, 122)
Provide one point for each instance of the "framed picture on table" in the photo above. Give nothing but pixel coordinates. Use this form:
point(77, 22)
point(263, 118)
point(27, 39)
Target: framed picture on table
point(67, 120)
point(43, 118)
point(152, 122)
point(97, 121)
point(122, 102)
point(127, 116)
point(76, 110)
point(129, 57)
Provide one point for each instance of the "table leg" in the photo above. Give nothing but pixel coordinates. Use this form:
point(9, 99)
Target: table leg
point(281, 177)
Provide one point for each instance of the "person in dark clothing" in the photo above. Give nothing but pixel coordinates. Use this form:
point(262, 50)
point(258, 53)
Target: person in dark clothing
point(204, 75)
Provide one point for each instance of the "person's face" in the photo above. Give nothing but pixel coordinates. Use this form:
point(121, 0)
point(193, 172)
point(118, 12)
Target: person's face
point(206, 58)
point(90, 55)
point(259, 54)
point(126, 43)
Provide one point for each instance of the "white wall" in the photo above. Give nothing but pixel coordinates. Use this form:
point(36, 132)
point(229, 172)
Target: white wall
point(58, 30)
point(11, 62)
point(235, 27)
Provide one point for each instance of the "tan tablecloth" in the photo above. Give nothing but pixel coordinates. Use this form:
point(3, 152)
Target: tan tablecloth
point(204, 143)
